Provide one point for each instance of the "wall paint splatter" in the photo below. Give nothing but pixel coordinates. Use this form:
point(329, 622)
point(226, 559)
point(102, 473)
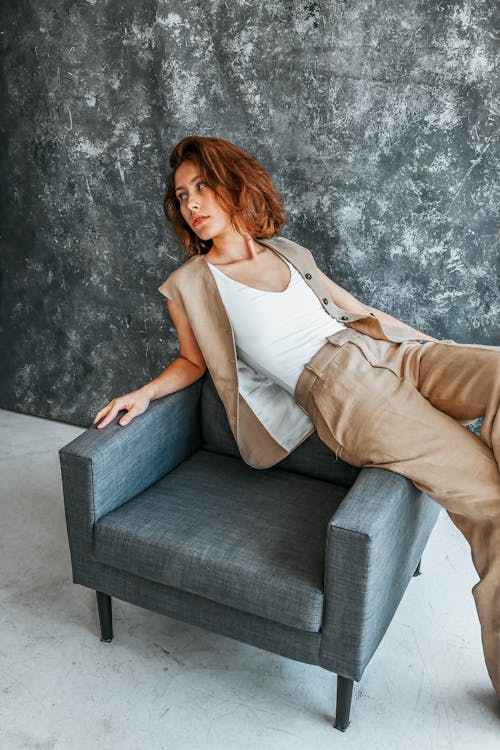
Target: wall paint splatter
point(377, 120)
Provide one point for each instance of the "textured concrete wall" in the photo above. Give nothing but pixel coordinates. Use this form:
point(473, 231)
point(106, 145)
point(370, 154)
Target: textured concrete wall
point(376, 118)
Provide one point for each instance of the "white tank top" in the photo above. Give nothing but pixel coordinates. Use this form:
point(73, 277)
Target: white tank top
point(276, 333)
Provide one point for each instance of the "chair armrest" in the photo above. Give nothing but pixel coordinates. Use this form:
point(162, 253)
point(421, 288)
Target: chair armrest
point(375, 540)
point(102, 469)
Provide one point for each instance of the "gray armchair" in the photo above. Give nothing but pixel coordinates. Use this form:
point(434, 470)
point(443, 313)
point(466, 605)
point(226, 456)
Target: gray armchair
point(308, 559)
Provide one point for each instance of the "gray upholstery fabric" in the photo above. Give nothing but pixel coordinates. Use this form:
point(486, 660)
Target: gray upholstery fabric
point(216, 527)
point(306, 560)
point(216, 434)
point(181, 605)
point(375, 541)
point(312, 458)
point(101, 469)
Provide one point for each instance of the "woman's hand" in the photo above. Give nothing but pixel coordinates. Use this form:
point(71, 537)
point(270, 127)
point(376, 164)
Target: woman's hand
point(135, 402)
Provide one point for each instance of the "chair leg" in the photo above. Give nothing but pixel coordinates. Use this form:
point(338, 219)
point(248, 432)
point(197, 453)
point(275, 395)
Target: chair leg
point(105, 616)
point(417, 569)
point(344, 697)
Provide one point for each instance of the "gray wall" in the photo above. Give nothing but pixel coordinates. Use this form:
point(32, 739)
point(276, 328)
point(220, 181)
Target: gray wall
point(375, 118)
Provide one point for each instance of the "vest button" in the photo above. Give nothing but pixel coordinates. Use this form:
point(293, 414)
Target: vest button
point(344, 317)
point(325, 300)
point(308, 276)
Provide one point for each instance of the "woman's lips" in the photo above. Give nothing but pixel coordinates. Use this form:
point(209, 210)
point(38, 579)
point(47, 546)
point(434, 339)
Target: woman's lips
point(197, 222)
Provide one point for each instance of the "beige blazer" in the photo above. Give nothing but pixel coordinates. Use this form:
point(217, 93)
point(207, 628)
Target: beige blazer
point(193, 288)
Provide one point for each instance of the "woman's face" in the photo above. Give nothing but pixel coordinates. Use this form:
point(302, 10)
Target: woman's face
point(198, 204)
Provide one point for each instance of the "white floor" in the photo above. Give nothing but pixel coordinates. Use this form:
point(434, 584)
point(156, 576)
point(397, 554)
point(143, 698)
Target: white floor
point(164, 685)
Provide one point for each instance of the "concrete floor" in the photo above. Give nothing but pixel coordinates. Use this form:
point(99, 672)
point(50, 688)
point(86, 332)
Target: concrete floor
point(164, 685)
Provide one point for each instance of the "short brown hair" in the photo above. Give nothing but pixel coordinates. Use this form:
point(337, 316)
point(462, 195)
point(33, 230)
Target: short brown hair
point(242, 186)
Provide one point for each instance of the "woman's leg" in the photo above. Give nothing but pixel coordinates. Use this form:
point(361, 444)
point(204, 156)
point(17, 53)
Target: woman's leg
point(462, 380)
point(396, 407)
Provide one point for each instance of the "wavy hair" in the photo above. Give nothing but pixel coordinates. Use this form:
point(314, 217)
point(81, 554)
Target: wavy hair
point(243, 188)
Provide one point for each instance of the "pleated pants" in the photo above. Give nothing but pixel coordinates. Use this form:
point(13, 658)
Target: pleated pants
point(401, 407)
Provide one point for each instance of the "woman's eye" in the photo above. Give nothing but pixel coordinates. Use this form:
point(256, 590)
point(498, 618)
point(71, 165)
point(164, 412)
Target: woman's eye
point(180, 196)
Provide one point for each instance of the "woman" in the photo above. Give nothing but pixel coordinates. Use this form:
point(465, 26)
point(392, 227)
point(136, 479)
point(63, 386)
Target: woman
point(249, 306)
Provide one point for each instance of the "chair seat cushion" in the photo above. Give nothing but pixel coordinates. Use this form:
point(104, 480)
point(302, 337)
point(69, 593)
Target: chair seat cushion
point(251, 539)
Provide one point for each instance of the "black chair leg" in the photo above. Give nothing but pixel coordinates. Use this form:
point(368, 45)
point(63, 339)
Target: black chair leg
point(344, 697)
point(417, 569)
point(105, 616)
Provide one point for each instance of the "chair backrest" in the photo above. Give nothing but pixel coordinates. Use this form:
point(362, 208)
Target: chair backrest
point(312, 457)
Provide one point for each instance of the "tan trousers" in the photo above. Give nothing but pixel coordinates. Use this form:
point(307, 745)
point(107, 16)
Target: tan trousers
point(399, 407)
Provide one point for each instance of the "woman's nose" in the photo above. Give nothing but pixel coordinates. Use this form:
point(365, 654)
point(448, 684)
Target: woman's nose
point(192, 202)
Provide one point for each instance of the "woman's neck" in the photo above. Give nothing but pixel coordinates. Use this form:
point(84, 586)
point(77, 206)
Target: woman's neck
point(232, 249)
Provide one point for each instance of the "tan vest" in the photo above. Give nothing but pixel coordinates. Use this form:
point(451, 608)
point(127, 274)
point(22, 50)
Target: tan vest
point(193, 288)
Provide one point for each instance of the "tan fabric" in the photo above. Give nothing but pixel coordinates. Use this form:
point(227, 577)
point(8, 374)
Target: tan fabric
point(398, 407)
point(194, 289)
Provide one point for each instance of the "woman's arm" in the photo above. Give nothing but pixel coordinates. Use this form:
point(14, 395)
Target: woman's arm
point(184, 370)
point(349, 302)
point(189, 365)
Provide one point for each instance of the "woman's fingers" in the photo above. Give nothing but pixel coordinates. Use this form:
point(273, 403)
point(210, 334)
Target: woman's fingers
point(137, 403)
point(134, 403)
point(108, 413)
point(100, 414)
point(133, 412)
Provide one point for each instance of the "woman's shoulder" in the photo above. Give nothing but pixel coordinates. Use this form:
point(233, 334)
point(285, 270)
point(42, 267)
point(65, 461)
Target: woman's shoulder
point(169, 287)
point(290, 247)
